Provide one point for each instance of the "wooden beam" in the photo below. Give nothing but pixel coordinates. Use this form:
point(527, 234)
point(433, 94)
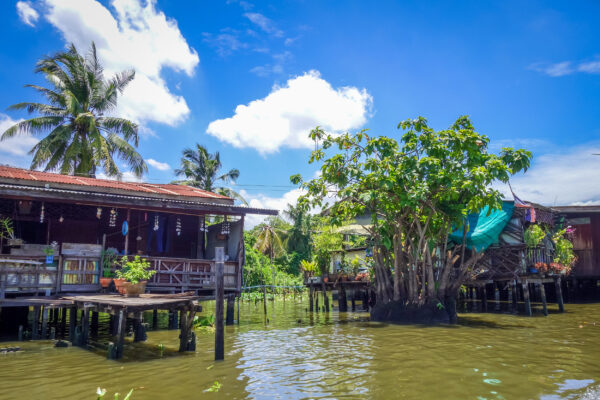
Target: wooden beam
point(219, 293)
point(559, 295)
point(543, 298)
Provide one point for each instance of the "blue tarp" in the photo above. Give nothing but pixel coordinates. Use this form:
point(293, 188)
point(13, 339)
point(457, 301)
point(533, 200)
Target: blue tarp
point(484, 230)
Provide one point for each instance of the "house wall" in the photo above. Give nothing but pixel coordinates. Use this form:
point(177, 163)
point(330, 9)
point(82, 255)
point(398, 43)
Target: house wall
point(586, 243)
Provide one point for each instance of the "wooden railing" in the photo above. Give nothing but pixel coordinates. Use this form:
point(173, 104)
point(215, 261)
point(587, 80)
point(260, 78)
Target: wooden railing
point(23, 274)
point(182, 274)
point(31, 275)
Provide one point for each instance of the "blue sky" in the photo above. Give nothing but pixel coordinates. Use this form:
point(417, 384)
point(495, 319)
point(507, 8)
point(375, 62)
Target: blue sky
point(249, 79)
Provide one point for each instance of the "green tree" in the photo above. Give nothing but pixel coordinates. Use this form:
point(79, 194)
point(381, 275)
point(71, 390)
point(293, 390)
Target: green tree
point(203, 170)
point(81, 136)
point(418, 190)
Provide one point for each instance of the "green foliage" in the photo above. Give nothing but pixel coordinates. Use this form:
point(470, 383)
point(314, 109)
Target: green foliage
point(135, 270)
point(102, 392)
point(216, 386)
point(7, 230)
point(309, 268)
point(49, 251)
point(206, 321)
point(203, 170)
point(81, 136)
point(417, 190)
point(563, 249)
point(109, 256)
point(325, 242)
point(534, 235)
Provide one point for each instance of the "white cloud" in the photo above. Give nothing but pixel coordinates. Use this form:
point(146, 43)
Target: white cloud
point(276, 68)
point(133, 36)
point(126, 176)
point(562, 178)
point(264, 23)
point(161, 166)
point(225, 42)
point(18, 145)
point(567, 68)
point(273, 203)
point(27, 14)
point(285, 117)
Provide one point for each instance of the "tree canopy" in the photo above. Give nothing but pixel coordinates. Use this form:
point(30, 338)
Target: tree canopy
point(417, 190)
point(82, 136)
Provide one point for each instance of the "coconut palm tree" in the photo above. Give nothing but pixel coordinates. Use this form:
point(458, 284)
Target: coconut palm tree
point(203, 170)
point(269, 242)
point(81, 135)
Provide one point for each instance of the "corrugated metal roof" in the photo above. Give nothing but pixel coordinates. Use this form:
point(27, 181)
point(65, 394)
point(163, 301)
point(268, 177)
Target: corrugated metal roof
point(87, 183)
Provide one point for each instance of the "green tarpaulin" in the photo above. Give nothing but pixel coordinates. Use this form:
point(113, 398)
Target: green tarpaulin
point(484, 229)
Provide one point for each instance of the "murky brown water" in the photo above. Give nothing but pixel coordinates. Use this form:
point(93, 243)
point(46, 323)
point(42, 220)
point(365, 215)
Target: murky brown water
point(487, 356)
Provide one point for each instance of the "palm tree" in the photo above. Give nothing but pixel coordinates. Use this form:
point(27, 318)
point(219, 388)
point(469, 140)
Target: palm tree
point(81, 136)
point(202, 170)
point(269, 242)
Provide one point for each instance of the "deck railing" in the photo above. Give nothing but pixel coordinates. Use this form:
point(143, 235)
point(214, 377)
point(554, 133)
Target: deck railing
point(31, 274)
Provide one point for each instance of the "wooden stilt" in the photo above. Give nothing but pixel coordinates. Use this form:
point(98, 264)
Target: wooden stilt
point(497, 306)
point(316, 293)
point(139, 329)
point(365, 300)
point(72, 323)
point(154, 319)
point(85, 327)
point(310, 299)
point(559, 295)
point(219, 294)
point(44, 323)
point(474, 299)
point(342, 300)
point(543, 298)
point(238, 309)
point(515, 290)
point(120, 336)
point(325, 297)
point(35, 323)
point(353, 300)
point(510, 297)
point(526, 298)
point(20, 335)
point(94, 324)
point(265, 300)
point(230, 310)
point(484, 303)
point(63, 322)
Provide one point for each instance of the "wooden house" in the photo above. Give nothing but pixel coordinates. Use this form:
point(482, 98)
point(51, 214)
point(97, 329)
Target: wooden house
point(73, 219)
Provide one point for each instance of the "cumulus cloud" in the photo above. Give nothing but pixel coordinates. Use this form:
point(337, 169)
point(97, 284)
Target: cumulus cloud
point(285, 117)
point(132, 36)
point(161, 166)
point(567, 68)
point(27, 14)
point(562, 178)
point(18, 145)
point(264, 201)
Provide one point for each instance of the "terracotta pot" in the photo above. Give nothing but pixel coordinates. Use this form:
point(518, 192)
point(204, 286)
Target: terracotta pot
point(132, 290)
point(120, 285)
point(325, 279)
point(105, 282)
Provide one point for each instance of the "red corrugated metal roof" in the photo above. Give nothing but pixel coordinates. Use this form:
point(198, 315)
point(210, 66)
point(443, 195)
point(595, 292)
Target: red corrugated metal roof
point(149, 188)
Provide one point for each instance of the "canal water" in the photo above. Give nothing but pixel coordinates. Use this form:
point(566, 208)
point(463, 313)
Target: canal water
point(298, 355)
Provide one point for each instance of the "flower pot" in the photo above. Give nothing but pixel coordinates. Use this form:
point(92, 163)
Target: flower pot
point(325, 279)
point(120, 285)
point(105, 282)
point(134, 290)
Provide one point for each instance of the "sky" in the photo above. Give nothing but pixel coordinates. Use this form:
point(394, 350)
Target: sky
point(250, 79)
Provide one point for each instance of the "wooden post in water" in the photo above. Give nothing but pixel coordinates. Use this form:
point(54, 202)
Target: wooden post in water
point(497, 306)
point(342, 300)
point(559, 295)
point(353, 300)
point(63, 322)
point(515, 291)
point(230, 309)
point(484, 304)
point(94, 324)
point(72, 323)
point(44, 323)
point(219, 293)
point(85, 327)
point(365, 300)
point(20, 335)
point(510, 297)
point(526, 298)
point(325, 297)
point(120, 336)
point(311, 305)
point(474, 299)
point(543, 298)
point(316, 292)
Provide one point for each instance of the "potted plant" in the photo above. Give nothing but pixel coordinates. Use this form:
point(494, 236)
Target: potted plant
point(136, 274)
point(7, 232)
point(108, 259)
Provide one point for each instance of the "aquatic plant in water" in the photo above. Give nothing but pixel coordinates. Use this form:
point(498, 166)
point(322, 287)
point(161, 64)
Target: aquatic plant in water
point(214, 388)
point(102, 392)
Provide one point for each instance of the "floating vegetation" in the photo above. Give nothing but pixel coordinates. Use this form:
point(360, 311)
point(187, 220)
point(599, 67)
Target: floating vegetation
point(102, 392)
point(216, 386)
